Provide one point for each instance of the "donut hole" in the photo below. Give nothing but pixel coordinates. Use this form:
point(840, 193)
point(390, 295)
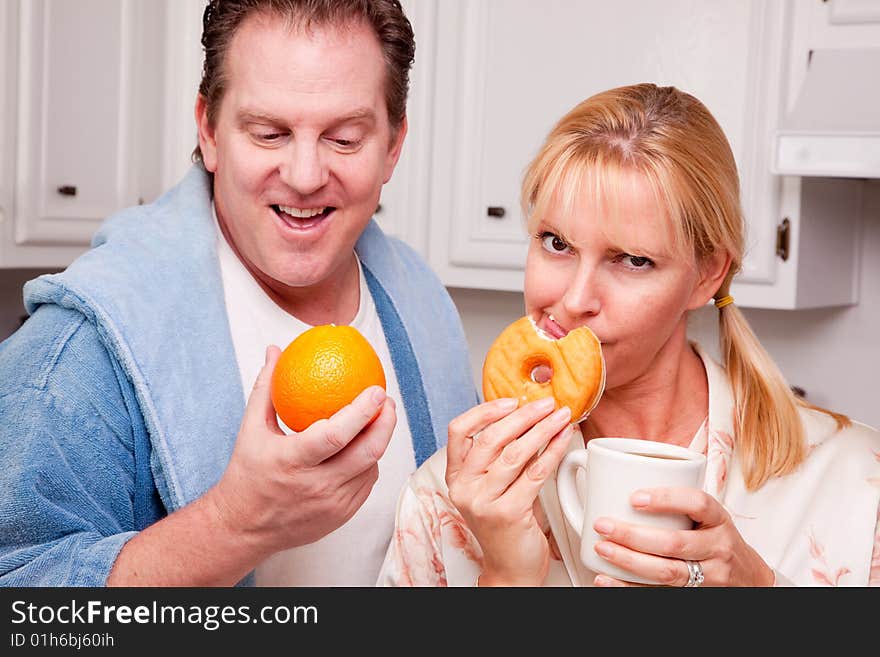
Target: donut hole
point(541, 373)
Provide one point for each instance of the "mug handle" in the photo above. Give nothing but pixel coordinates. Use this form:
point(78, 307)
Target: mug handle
point(566, 488)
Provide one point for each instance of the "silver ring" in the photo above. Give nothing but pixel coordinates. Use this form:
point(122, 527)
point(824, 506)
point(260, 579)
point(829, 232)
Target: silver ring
point(695, 573)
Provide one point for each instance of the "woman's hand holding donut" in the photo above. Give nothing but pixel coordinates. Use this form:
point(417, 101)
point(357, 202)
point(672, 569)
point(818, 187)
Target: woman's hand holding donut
point(660, 554)
point(498, 459)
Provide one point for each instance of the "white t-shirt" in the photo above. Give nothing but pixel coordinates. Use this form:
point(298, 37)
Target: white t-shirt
point(353, 554)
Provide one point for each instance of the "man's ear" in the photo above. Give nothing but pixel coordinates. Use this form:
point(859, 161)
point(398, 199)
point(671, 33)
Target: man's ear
point(713, 271)
point(395, 149)
point(207, 140)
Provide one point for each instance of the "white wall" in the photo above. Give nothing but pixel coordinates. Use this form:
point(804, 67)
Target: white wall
point(833, 354)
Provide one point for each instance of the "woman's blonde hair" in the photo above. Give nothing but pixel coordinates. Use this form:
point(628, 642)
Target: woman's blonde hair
point(669, 138)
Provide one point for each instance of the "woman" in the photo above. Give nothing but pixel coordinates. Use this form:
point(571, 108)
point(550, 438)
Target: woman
point(633, 206)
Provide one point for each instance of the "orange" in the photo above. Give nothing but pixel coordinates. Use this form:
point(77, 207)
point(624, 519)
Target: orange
point(321, 371)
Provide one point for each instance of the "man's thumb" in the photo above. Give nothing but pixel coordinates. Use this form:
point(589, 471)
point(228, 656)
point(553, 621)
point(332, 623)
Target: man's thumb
point(260, 400)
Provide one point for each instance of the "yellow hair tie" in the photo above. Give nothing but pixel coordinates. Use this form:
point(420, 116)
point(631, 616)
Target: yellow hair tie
point(723, 301)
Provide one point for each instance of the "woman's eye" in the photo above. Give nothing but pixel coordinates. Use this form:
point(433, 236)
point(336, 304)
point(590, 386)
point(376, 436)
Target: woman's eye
point(553, 243)
point(637, 262)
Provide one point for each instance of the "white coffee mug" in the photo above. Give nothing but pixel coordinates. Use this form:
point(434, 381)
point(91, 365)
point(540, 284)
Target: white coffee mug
point(615, 468)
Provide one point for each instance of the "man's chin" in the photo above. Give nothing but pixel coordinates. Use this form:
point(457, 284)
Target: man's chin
point(303, 278)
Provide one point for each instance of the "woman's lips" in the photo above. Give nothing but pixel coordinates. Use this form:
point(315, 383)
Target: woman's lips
point(555, 330)
point(552, 328)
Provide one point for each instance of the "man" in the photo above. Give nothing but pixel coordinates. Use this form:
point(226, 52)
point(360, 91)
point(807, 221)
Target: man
point(129, 457)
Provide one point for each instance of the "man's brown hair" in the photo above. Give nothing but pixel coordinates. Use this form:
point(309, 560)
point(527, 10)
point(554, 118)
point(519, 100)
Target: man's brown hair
point(222, 18)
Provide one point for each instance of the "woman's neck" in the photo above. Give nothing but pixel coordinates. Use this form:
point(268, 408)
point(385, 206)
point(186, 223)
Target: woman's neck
point(667, 405)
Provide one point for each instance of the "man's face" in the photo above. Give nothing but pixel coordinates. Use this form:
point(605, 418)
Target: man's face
point(301, 148)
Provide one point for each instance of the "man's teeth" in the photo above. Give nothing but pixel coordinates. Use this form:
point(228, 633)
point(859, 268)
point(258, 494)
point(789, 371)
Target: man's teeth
point(301, 213)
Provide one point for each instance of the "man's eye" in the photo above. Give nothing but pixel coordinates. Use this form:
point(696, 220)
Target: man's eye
point(553, 243)
point(269, 137)
point(345, 144)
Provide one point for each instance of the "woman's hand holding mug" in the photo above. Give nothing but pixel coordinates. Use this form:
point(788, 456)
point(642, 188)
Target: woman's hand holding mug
point(614, 469)
point(714, 544)
point(645, 519)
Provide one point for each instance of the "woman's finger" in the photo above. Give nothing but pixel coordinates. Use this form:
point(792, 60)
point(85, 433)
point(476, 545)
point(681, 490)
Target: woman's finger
point(533, 476)
point(700, 506)
point(509, 465)
point(662, 570)
point(463, 428)
point(673, 543)
point(611, 582)
point(488, 445)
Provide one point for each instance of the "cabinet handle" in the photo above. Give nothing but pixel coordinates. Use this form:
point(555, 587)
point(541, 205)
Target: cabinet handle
point(495, 211)
point(67, 190)
point(783, 234)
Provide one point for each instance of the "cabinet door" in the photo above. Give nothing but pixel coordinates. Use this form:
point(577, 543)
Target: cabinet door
point(508, 69)
point(183, 74)
point(8, 31)
point(404, 206)
point(87, 117)
point(834, 24)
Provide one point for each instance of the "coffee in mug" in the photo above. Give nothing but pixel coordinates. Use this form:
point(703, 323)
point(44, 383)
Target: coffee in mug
point(614, 469)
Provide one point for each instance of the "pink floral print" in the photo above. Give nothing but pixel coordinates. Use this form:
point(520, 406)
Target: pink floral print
point(718, 454)
point(875, 480)
point(459, 536)
point(427, 521)
point(821, 572)
point(874, 576)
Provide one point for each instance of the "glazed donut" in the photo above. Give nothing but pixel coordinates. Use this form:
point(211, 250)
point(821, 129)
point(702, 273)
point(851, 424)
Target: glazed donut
point(577, 369)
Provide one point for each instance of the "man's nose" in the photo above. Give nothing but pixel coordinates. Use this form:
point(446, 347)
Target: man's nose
point(305, 170)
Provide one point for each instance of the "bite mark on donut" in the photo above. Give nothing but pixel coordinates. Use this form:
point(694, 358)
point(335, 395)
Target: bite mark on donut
point(541, 332)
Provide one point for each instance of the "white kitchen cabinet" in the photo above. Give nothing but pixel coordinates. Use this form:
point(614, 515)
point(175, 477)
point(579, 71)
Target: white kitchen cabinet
point(506, 70)
point(80, 121)
point(98, 95)
point(404, 205)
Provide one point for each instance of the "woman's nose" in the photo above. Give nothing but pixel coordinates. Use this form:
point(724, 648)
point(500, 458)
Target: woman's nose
point(583, 293)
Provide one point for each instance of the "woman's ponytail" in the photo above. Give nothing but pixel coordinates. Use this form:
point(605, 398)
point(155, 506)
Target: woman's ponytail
point(769, 432)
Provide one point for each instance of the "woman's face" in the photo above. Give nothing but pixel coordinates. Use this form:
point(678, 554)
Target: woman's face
point(616, 271)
